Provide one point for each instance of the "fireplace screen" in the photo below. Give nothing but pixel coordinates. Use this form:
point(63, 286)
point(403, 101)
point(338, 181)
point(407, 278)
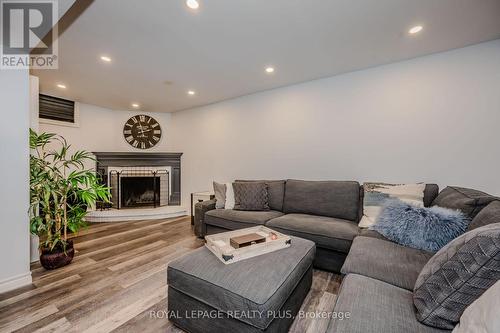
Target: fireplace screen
point(139, 188)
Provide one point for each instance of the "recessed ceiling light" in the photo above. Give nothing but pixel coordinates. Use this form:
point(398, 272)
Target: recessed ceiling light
point(135, 105)
point(106, 58)
point(415, 29)
point(191, 92)
point(269, 70)
point(193, 4)
point(62, 86)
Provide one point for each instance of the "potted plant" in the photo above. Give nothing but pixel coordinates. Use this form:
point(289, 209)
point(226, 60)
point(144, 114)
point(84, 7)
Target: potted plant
point(61, 191)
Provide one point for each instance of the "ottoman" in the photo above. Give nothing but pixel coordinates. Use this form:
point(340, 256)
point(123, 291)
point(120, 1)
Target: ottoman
point(260, 294)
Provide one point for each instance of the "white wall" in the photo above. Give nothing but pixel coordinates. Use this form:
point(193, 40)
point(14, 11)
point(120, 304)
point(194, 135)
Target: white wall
point(101, 130)
point(430, 119)
point(34, 100)
point(14, 167)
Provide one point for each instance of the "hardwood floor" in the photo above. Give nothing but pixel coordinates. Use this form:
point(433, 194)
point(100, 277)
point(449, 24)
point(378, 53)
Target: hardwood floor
point(118, 276)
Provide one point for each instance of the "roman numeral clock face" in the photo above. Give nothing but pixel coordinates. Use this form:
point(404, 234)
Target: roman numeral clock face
point(142, 132)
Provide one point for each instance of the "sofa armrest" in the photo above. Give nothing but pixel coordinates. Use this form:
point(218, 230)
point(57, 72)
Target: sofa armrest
point(200, 209)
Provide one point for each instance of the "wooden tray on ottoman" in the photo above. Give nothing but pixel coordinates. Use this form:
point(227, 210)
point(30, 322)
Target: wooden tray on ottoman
point(220, 244)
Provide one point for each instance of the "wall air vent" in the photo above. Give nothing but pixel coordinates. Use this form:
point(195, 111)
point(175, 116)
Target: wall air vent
point(58, 109)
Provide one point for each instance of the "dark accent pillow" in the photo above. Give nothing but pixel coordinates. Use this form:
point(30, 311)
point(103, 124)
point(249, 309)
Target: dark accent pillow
point(467, 200)
point(251, 196)
point(457, 275)
point(488, 215)
point(431, 191)
point(275, 189)
point(427, 229)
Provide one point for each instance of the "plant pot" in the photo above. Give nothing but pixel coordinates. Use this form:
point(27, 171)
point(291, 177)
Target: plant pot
point(57, 258)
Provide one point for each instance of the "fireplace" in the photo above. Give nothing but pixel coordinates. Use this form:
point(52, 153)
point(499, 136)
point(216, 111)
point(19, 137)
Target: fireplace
point(139, 186)
point(141, 179)
point(140, 192)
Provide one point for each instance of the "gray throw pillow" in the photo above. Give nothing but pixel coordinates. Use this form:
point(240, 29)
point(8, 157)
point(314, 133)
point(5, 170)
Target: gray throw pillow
point(488, 215)
point(251, 196)
point(457, 275)
point(220, 195)
point(275, 189)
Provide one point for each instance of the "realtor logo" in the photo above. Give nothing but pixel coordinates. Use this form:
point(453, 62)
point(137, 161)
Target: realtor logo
point(29, 34)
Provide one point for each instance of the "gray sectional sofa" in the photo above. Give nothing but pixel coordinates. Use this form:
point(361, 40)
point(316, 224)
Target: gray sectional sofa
point(326, 212)
point(380, 276)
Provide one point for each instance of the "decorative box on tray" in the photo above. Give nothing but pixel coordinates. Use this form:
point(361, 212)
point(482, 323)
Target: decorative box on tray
point(242, 244)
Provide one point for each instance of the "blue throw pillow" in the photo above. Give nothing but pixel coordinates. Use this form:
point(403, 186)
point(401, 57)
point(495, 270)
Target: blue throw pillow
point(421, 228)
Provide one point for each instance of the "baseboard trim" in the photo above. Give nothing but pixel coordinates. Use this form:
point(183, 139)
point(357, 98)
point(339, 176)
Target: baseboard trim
point(15, 282)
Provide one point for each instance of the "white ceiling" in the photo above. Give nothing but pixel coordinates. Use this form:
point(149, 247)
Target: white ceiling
point(221, 50)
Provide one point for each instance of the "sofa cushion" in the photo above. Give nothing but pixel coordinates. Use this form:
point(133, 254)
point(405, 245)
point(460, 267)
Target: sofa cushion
point(326, 232)
point(339, 199)
point(457, 275)
point(238, 219)
point(385, 261)
point(488, 215)
point(250, 196)
point(467, 200)
point(375, 307)
point(276, 191)
point(371, 233)
point(255, 285)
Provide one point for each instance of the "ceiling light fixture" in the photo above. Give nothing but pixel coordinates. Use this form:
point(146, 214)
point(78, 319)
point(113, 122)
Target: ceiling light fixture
point(106, 58)
point(270, 70)
point(193, 4)
point(135, 105)
point(415, 29)
point(191, 92)
point(62, 86)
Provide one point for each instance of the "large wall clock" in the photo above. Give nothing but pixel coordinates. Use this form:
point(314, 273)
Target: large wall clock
point(142, 132)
